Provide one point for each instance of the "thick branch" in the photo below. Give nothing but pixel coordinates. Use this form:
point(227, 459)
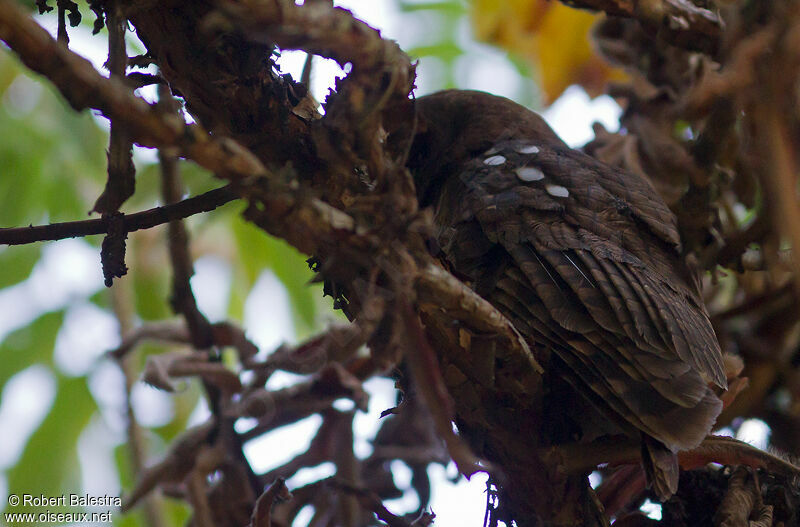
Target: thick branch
point(283, 209)
point(680, 21)
point(133, 222)
point(367, 104)
point(283, 205)
point(84, 87)
point(580, 457)
point(438, 289)
point(316, 28)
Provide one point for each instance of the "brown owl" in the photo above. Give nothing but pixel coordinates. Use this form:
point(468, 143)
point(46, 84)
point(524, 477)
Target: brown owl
point(584, 259)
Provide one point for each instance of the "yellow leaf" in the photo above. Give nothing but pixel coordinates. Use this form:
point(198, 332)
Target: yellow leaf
point(554, 38)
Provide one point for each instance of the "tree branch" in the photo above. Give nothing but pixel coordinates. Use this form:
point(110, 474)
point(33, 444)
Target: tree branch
point(121, 181)
point(83, 87)
point(133, 222)
point(261, 513)
point(182, 299)
point(680, 21)
point(371, 502)
point(316, 28)
point(379, 226)
point(281, 208)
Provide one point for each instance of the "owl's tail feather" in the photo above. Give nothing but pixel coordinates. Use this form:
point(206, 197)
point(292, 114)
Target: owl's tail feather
point(660, 467)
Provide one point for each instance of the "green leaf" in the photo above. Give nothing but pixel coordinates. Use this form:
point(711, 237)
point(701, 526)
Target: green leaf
point(197, 179)
point(52, 158)
point(29, 345)
point(9, 69)
point(452, 7)
point(49, 465)
point(259, 251)
point(17, 263)
point(446, 51)
point(124, 464)
point(152, 295)
point(150, 274)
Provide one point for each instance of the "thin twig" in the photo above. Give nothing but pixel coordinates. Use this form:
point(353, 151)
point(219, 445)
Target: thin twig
point(121, 180)
point(288, 405)
point(284, 210)
point(263, 509)
point(338, 344)
point(165, 331)
point(132, 222)
point(182, 300)
point(425, 368)
point(63, 36)
point(173, 467)
point(371, 502)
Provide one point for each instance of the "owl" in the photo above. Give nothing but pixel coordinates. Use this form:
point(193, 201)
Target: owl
point(584, 259)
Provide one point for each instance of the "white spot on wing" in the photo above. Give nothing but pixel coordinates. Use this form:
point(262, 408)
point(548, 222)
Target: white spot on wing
point(557, 191)
point(494, 160)
point(529, 174)
point(527, 149)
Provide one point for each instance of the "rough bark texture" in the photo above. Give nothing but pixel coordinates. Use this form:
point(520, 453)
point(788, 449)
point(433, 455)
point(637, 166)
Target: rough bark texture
point(337, 187)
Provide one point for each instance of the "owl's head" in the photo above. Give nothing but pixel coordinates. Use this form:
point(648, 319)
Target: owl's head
point(455, 125)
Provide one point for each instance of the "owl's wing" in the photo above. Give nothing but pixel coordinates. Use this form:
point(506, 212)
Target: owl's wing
point(584, 260)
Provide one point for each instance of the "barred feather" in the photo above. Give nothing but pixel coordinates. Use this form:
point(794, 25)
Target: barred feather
point(582, 258)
